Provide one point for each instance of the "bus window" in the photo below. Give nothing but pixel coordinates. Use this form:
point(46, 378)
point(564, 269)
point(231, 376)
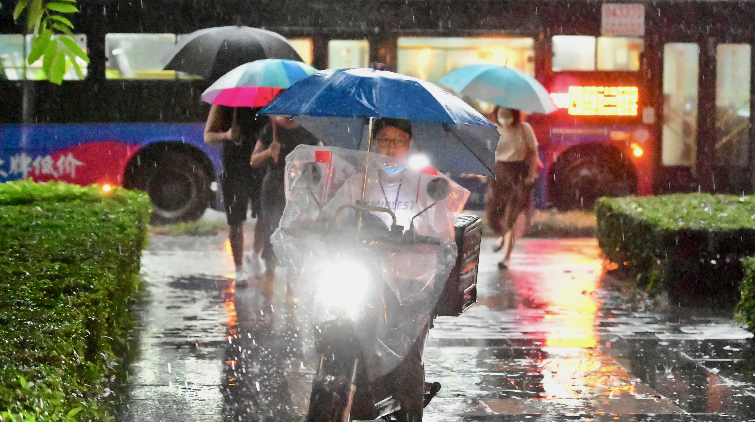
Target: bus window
point(346, 54)
point(137, 56)
point(303, 46)
point(732, 104)
point(680, 97)
point(12, 57)
point(573, 52)
point(431, 58)
point(583, 53)
point(619, 53)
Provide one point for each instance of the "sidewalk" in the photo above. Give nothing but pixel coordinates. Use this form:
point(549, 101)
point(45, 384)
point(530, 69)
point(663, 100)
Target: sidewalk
point(551, 338)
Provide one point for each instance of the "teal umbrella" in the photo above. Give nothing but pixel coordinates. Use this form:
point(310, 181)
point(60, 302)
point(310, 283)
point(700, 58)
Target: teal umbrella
point(501, 86)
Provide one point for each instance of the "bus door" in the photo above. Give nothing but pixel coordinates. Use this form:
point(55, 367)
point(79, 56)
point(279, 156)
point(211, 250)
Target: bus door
point(706, 127)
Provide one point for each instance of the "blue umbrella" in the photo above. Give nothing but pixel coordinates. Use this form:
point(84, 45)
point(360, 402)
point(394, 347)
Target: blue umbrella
point(337, 105)
point(500, 85)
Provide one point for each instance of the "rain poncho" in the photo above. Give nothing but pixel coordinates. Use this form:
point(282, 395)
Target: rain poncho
point(320, 181)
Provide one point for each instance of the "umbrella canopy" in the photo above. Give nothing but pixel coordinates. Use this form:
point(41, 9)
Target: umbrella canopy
point(336, 106)
point(255, 84)
point(212, 52)
point(500, 85)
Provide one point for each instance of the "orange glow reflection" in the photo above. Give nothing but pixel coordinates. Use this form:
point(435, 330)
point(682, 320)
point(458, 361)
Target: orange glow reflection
point(558, 282)
point(228, 256)
point(562, 287)
point(229, 305)
point(590, 373)
point(598, 100)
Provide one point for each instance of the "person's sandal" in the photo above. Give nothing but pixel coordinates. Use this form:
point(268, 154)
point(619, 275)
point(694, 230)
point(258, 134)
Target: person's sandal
point(502, 266)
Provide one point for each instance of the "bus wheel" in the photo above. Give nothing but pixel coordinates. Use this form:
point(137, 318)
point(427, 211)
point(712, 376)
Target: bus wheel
point(177, 185)
point(583, 174)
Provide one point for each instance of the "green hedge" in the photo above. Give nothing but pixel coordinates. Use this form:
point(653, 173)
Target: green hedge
point(69, 264)
point(688, 244)
point(746, 305)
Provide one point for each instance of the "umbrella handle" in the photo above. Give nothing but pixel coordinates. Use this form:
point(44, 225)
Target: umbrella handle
point(234, 124)
point(275, 140)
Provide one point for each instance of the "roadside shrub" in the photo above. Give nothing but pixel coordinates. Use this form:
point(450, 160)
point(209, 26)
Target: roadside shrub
point(69, 264)
point(746, 306)
point(688, 244)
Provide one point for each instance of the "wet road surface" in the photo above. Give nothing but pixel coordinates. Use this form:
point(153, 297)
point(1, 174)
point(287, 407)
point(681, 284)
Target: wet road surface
point(552, 338)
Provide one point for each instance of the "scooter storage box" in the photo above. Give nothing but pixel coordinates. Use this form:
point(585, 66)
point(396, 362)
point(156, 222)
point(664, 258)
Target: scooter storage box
point(461, 288)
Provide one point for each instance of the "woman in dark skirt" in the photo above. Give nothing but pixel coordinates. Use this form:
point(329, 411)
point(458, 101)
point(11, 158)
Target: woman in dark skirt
point(516, 169)
point(275, 141)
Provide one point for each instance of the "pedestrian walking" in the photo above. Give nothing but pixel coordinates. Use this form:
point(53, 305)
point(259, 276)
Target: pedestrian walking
point(516, 168)
point(276, 140)
point(236, 129)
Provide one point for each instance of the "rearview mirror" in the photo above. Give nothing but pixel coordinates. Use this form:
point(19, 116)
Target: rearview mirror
point(438, 189)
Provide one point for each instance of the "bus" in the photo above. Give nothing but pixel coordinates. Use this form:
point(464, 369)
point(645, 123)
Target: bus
point(653, 97)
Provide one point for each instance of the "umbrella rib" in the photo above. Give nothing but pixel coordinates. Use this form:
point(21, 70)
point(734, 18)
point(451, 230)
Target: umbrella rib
point(448, 130)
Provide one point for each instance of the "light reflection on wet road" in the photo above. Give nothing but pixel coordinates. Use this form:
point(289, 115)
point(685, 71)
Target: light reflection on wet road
point(552, 338)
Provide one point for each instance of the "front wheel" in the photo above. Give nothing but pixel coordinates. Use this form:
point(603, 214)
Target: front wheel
point(177, 185)
point(332, 392)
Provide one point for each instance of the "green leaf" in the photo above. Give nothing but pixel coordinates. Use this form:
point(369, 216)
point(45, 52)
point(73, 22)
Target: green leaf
point(62, 7)
point(57, 67)
point(39, 45)
point(20, 6)
point(75, 64)
point(36, 11)
point(62, 28)
point(48, 56)
point(71, 44)
point(61, 19)
point(74, 412)
point(69, 1)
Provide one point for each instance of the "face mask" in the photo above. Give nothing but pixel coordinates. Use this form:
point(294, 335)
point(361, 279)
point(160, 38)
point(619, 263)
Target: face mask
point(393, 168)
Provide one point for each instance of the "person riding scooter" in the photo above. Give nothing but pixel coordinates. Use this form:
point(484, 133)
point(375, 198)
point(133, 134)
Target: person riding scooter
point(372, 242)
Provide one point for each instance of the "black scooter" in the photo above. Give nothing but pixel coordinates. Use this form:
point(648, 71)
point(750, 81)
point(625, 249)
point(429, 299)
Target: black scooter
point(370, 338)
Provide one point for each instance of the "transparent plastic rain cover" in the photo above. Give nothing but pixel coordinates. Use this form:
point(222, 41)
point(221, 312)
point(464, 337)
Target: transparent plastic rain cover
point(347, 268)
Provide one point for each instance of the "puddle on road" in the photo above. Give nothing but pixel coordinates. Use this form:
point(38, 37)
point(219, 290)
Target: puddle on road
point(548, 338)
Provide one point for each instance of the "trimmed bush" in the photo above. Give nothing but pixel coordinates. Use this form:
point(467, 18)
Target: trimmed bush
point(69, 267)
point(746, 306)
point(688, 244)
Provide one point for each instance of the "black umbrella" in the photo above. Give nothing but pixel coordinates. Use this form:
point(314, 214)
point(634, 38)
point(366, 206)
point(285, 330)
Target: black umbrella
point(212, 52)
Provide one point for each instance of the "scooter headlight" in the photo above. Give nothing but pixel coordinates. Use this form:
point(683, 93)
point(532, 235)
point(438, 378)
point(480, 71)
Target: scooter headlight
point(341, 289)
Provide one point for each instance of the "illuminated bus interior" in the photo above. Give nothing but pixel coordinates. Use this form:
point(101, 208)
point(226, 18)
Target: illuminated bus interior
point(304, 47)
point(431, 58)
point(347, 54)
point(587, 53)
